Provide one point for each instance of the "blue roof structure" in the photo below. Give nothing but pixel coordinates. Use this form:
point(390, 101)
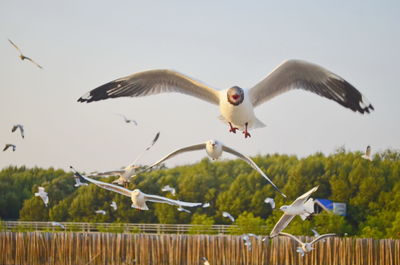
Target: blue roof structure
point(328, 204)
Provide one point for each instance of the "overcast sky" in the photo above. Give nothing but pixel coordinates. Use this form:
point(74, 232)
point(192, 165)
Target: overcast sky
point(84, 44)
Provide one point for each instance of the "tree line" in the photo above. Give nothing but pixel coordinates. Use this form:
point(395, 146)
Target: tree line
point(371, 190)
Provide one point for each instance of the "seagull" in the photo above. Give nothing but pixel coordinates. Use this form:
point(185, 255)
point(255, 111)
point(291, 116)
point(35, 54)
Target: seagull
point(214, 150)
point(228, 215)
point(270, 201)
point(169, 189)
point(43, 195)
point(126, 119)
point(367, 154)
point(129, 171)
point(302, 206)
point(114, 205)
point(236, 104)
point(206, 205)
point(101, 212)
point(8, 146)
point(78, 182)
point(138, 198)
point(58, 224)
point(246, 239)
point(21, 129)
point(23, 57)
point(205, 261)
point(306, 247)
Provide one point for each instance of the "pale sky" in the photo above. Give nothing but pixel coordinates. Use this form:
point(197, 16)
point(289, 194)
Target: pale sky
point(84, 44)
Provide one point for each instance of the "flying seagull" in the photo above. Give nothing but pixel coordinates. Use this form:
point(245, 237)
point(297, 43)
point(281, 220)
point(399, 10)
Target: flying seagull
point(306, 247)
point(247, 241)
point(228, 215)
point(43, 195)
point(129, 171)
point(169, 189)
point(78, 182)
point(114, 205)
point(101, 212)
point(21, 129)
point(236, 104)
point(8, 146)
point(126, 119)
point(367, 154)
point(302, 206)
point(206, 205)
point(23, 57)
point(214, 150)
point(270, 201)
point(58, 224)
point(138, 198)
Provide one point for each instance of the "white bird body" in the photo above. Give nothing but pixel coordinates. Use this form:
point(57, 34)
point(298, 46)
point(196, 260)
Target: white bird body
point(169, 189)
point(101, 212)
point(43, 195)
point(214, 150)
point(302, 206)
point(306, 246)
point(270, 201)
point(238, 115)
point(114, 205)
point(58, 224)
point(138, 198)
point(228, 215)
point(78, 182)
point(367, 154)
point(237, 105)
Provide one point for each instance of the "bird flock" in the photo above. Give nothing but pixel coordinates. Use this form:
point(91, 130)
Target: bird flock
point(236, 107)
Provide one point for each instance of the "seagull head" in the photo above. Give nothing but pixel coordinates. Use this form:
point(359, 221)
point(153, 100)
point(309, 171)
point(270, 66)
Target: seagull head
point(235, 95)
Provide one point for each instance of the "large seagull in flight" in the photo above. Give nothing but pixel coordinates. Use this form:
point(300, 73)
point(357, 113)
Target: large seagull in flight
point(237, 104)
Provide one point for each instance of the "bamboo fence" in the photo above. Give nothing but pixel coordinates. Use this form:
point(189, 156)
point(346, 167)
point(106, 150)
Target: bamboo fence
point(169, 249)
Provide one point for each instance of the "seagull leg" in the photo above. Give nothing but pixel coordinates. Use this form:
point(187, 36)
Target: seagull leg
point(245, 132)
point(232, 129)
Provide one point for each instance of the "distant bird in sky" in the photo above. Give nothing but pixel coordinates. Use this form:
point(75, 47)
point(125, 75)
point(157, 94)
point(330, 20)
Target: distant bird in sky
point(169, 189)
point(101, 212)
point(21, 129)
point(316, 234)
point(58, 224)
point(126, 119)
point(114, 205)
point(302, 206)
point(8, 146)
point(78, 182)
point(236, 104)
point(367, 154)
point(43, 195)
point(23, 57)
point(205, 261)
point(214, 150)
point(228, 215)
point(138, 198)
point(270, 201)
point(306, 247)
